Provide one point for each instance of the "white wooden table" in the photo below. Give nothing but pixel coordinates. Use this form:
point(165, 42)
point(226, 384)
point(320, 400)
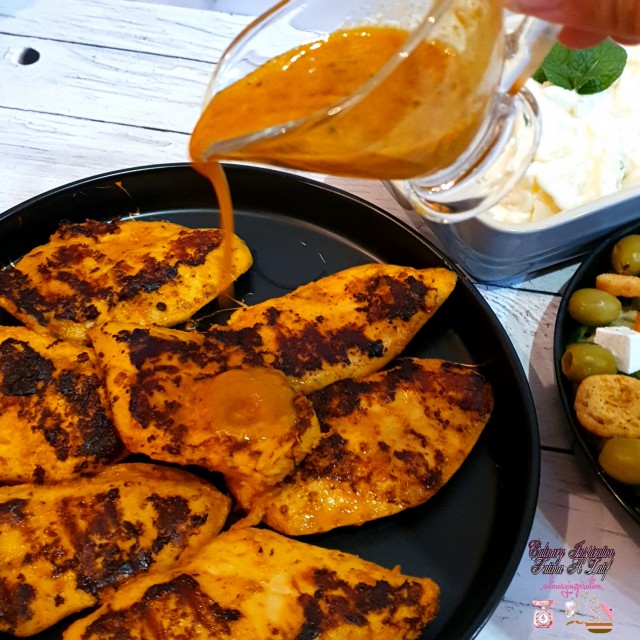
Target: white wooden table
point(114, 84)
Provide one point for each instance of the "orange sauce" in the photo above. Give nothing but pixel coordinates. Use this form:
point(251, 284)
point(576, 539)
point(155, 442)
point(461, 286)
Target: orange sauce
point(215, 173)
point(416, 120)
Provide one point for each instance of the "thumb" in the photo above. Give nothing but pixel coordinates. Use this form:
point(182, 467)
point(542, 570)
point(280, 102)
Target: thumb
point(587, 19)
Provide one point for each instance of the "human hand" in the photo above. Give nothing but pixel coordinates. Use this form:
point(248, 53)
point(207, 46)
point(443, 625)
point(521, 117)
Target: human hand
point(587, 22)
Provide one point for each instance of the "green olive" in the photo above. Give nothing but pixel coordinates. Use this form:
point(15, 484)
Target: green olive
point(584, 359)
point(625, 256)
point(593, 307)
point(620, 458)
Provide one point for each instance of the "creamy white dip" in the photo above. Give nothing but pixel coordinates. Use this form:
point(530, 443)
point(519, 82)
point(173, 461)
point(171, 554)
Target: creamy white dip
point(590, 147)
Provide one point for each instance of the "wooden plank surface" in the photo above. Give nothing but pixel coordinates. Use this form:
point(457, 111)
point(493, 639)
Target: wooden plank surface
point(84, 81)
point(568, 512)
point(132, 26)
point(120, 84)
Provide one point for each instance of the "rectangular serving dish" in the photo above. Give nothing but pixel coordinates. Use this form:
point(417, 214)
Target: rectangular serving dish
point(494, 251)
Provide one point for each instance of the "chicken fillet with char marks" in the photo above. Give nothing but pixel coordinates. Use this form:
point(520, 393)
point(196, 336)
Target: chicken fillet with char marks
point(140, 271)
point(55, 417)
point(390, 441)
point(346, 325)
point(251, 583)
point(66, 546)
point(175, 400)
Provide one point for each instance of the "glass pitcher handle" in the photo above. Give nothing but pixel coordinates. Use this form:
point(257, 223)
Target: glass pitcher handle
point(526, 48)
point(512, 136)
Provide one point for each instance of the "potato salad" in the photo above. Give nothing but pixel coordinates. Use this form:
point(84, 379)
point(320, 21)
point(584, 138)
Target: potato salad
point(590, 147)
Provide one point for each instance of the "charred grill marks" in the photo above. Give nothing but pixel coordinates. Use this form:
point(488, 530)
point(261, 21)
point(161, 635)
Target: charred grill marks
point(178, 601)
point(150, 278)
point(63, 404)
point(76, 300)
point(330, 458)
point(171, 513)
point(24, 371)
point(98, 437)
point(144, 348)
point(105, 548)
point(336, 602)
point(12, 512)
point(15, 602)
point(89, 229)
point(339, 399)
point(16, 287)
point(310, 349)
point(387, 298)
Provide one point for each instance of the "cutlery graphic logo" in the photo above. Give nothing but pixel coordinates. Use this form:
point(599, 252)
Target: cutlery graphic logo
point(602, 622)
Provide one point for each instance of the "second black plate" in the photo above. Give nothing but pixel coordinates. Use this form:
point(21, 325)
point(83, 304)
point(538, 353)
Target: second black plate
point(470, 537)
point(619, 497)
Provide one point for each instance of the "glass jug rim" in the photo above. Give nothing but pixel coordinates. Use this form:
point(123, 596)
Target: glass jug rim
point(433, 15)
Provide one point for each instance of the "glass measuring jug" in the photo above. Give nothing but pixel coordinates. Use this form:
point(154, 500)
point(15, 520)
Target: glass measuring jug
point(424, 95)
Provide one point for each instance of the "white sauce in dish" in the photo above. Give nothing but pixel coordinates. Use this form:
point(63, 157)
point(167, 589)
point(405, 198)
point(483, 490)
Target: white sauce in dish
point(590, 147)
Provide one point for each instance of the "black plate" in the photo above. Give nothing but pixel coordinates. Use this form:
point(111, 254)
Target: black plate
point(470, 537)
point(620, 498)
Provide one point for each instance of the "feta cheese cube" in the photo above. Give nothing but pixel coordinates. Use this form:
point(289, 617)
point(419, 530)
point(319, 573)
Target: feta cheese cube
point(624, 344)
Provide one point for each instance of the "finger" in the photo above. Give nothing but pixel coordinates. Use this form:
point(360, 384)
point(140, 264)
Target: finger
point(578, 39)
point(628, 41)
point(616, 18)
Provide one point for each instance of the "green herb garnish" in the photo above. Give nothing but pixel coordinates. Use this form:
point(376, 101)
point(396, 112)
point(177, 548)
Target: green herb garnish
point(581, 333)
point(585, 71)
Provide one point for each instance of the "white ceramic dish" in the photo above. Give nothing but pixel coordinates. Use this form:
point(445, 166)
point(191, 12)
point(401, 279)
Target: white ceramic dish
point(493, 251)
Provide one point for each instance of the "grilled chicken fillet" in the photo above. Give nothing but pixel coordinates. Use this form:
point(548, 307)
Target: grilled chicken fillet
point(168, 387)
point(174, 400)
point(144, 272)
point(349, 324)
point(251, 583)
point(345, 325)
point(66, 546)
point(55, 418)
point(390, 441)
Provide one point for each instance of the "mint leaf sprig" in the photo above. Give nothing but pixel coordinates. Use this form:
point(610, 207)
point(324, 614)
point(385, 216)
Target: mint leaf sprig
point(585, 71)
